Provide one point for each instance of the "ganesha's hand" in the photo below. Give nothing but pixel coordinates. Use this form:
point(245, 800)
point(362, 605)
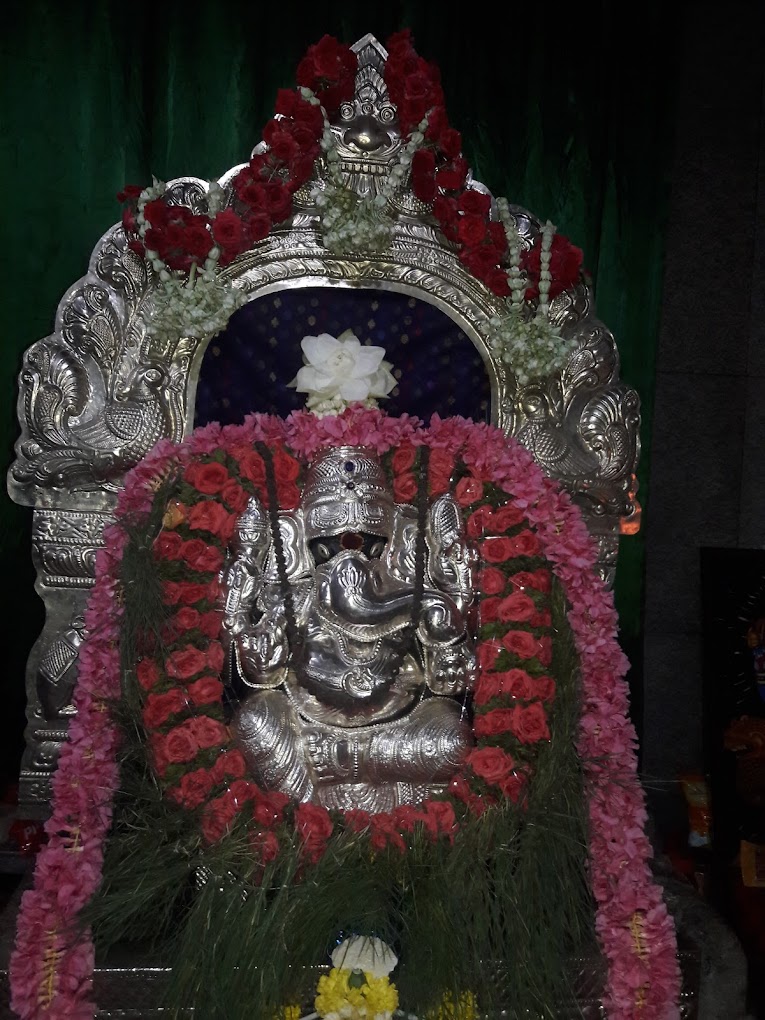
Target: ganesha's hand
point(452, 669)
point(264, 652)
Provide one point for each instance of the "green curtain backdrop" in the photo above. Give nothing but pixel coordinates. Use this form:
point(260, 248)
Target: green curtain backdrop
point(565, 111)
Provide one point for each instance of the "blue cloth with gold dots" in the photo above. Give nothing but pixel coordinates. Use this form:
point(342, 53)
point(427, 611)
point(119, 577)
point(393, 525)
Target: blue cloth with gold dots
point(248, 366)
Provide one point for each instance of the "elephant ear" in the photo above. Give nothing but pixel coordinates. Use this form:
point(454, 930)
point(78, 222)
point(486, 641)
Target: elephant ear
point(297, 556)
point(400, 553)
point(452, 558)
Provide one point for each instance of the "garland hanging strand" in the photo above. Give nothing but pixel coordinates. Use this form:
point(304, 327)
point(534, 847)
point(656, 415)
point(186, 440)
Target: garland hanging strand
point(276, 535)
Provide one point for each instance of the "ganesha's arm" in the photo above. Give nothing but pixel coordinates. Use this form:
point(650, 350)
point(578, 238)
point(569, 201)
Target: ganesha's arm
point(262, 650)
point(448, 655)
point(451, 669)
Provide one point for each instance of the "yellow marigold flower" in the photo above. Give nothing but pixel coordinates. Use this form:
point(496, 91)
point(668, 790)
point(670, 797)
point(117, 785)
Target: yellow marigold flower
point(466, 1008)
point(334, 993)
point(291, 1013)
point(380, 994)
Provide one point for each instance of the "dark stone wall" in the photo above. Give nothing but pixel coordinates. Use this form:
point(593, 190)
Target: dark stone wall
point(707, 480)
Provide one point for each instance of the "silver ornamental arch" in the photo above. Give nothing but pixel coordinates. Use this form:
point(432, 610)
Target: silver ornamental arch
point(100, 391)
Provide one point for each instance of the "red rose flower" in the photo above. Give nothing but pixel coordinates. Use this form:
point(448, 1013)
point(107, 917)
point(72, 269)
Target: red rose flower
point(357, 821)
point(497, 549)
point(216, 818)
point(529, 723)
point(286, 468)
point(539, 579)
point(288, 495)
point(493, 723)
point(515, 682)
point(258, 226)
point(476, 203)
point(159, 707)
point(440, 468)
point(516, 608)
point(478, 523)
point(491, 581)
point(541, 619)
point(206, 477)
point(490, 763)
point(264, 846)
point(405, 487)
point(383, 833)
point(543, 687)
point(230, 763)
point(424, 175)
point(230, 235)
point(490, 685)
point(496, 280)
point(185, 663)
point(185, 592)
point(507, 516)
point(453, 175)
point(521, 643)
point(404, 458)
point(443, 812)
point(168, 545)
point(193, 788)
point(241, 792)
point(468, 490)
point(147, 673)
point(130, 193)
point(445, 211)
point(471, 230)
point(512, 786)
point(489, 610)
point(406, 817)
point(251, 466)
point(525, 544)
point(268, 808)
point(205, 691)
point(215, 656)
point(234, 496)
point(450, 143)
point(518, 683)
point(206, 731)
point(279, 141)
point(565, 266)
point(314, 827)
point(185, 619)
point(487, 653)
point(179, 745)
point(210, 623)
point(213, 517)
point(201, 556)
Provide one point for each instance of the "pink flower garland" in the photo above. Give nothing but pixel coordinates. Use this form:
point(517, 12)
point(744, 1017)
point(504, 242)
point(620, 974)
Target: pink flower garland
point(51, 969)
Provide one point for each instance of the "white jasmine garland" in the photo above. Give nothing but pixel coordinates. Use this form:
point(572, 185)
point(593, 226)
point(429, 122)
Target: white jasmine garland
point(342, 371)
point(364, 953)
point(199, 307)
point(531, 346)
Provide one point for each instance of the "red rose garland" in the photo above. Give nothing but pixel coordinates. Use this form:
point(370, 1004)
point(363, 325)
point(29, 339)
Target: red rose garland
point(191, 748)
point(51, 971)
point(264, 189)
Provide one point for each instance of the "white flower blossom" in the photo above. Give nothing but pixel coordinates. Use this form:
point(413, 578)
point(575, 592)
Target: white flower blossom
point(361, 952)
point(531, 347)
point(199, 307)
point(342, 371)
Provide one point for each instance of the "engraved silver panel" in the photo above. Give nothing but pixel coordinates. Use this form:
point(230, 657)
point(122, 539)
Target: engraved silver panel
point(97, 393)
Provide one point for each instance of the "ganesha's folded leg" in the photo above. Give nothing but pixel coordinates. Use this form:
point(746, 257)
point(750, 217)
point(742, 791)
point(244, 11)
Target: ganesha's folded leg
point(428, 746)
point(268, 731)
